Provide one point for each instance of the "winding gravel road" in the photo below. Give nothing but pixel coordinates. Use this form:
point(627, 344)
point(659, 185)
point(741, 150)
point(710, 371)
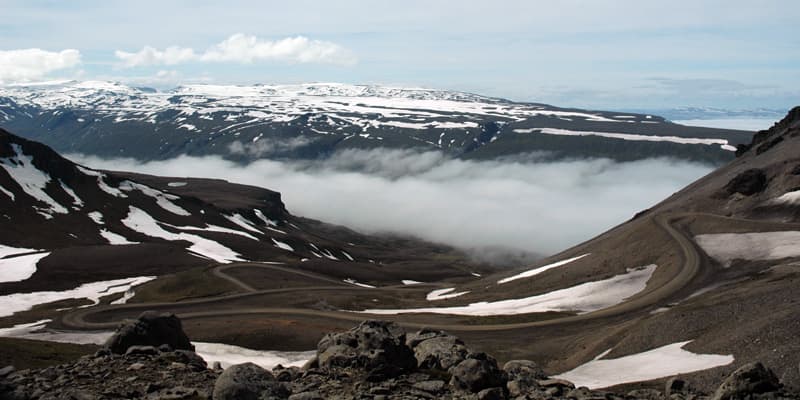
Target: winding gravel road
point(693, 263)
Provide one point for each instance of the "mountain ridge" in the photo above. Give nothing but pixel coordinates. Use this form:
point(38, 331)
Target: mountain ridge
point(308, 121)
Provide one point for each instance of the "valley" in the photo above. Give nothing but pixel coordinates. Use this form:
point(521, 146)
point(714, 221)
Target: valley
point(237, 268)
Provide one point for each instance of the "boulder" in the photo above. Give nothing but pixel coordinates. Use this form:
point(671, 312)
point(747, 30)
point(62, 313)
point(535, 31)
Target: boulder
point(748, 182)
point(244, 382)
point(437, 350)
point(675, 385)
point(749, 379)
point(479, 371)
point(379, 347)
point(150, 329)
point(522, 376)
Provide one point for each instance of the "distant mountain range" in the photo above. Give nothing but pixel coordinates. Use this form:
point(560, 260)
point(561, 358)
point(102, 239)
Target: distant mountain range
point(684, 113)
point(309, 121)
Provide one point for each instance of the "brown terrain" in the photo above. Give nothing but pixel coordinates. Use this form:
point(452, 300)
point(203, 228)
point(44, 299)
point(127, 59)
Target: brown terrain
point(748, 309)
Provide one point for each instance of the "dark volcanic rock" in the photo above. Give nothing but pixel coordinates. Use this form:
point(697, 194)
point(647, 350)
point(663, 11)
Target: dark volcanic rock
point(247, 382)
point(748, 182)
point(436, 349)
point(353, 365)
point(378, 347)
point(523, 376)
point(477, 372)
point(746, 381)
point(151, 329)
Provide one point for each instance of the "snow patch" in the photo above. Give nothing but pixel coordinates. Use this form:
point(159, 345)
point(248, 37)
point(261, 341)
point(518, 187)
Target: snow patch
point(790, 198)
point(10, 251)
point(17, 302)
point(228, 355)
point(661, 362)
point(441, 294)
point(583, 298)
point(115, 239)
point(282, 245)
point(539, 270)
point(140, 221)
point(31, 179)
point(630, 136)
point(354, 282)
point(19, 268)
point(163, 200)
point(726, 247)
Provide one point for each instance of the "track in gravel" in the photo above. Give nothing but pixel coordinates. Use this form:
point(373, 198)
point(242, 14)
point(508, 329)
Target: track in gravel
point(692, 264)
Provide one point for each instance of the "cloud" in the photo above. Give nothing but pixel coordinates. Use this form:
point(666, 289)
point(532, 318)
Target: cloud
point(152, 56)
point(244, 49)
point(491, 208)
point(29, 64)
point(266, 146)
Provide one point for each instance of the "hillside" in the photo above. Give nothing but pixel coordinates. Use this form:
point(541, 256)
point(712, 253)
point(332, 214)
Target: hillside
point(310, 121)
point(697, 286)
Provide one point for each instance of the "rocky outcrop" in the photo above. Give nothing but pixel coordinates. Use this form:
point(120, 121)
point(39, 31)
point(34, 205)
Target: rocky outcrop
point(248, 382)
point(437, 350)
point(375, 360)
point(748, 380)
point(379, 347)
point(150, 329)
point(748, 182)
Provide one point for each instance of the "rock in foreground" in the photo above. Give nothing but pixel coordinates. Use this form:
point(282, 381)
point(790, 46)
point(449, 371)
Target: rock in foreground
point(375, 360)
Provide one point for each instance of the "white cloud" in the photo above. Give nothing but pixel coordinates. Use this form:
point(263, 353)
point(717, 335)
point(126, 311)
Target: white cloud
point(152, 56)
point(485, 206)
point(245, 49)
point(29, 64)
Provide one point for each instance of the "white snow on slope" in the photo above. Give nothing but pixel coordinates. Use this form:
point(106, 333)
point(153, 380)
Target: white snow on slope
point(726, 247)
point(583, 298)
point(238, 219)
point(19, 268)
point(441, 294)
point(125, 297)
point(790, 198)
point(115, 239)
point(212, 228)
point(356, 283)
point(264, 218)
point(140, 221)
point(746, 124)
point(630, 136)
point(282, 245)
point(164, 200)
point(539, 270)
point(226, 354)
point(32, 180)
point(97, 217)
point(75, 199)
point(10, 251)
point(331, 103)
point(101, 182)
point(7, 193)
point(410, 282)
point(177, 184)
point(93, 291)
point(661, 362)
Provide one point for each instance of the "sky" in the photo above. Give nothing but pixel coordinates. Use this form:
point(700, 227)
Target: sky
point(619, 54)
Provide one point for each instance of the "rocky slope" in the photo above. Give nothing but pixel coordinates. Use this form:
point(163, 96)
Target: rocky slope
point(314, 120)
point(152, 358)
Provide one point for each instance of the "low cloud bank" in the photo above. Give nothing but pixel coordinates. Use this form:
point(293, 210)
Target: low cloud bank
point(492, 208)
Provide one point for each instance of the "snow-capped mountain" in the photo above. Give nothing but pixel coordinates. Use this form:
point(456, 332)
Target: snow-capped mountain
point(314, 120)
